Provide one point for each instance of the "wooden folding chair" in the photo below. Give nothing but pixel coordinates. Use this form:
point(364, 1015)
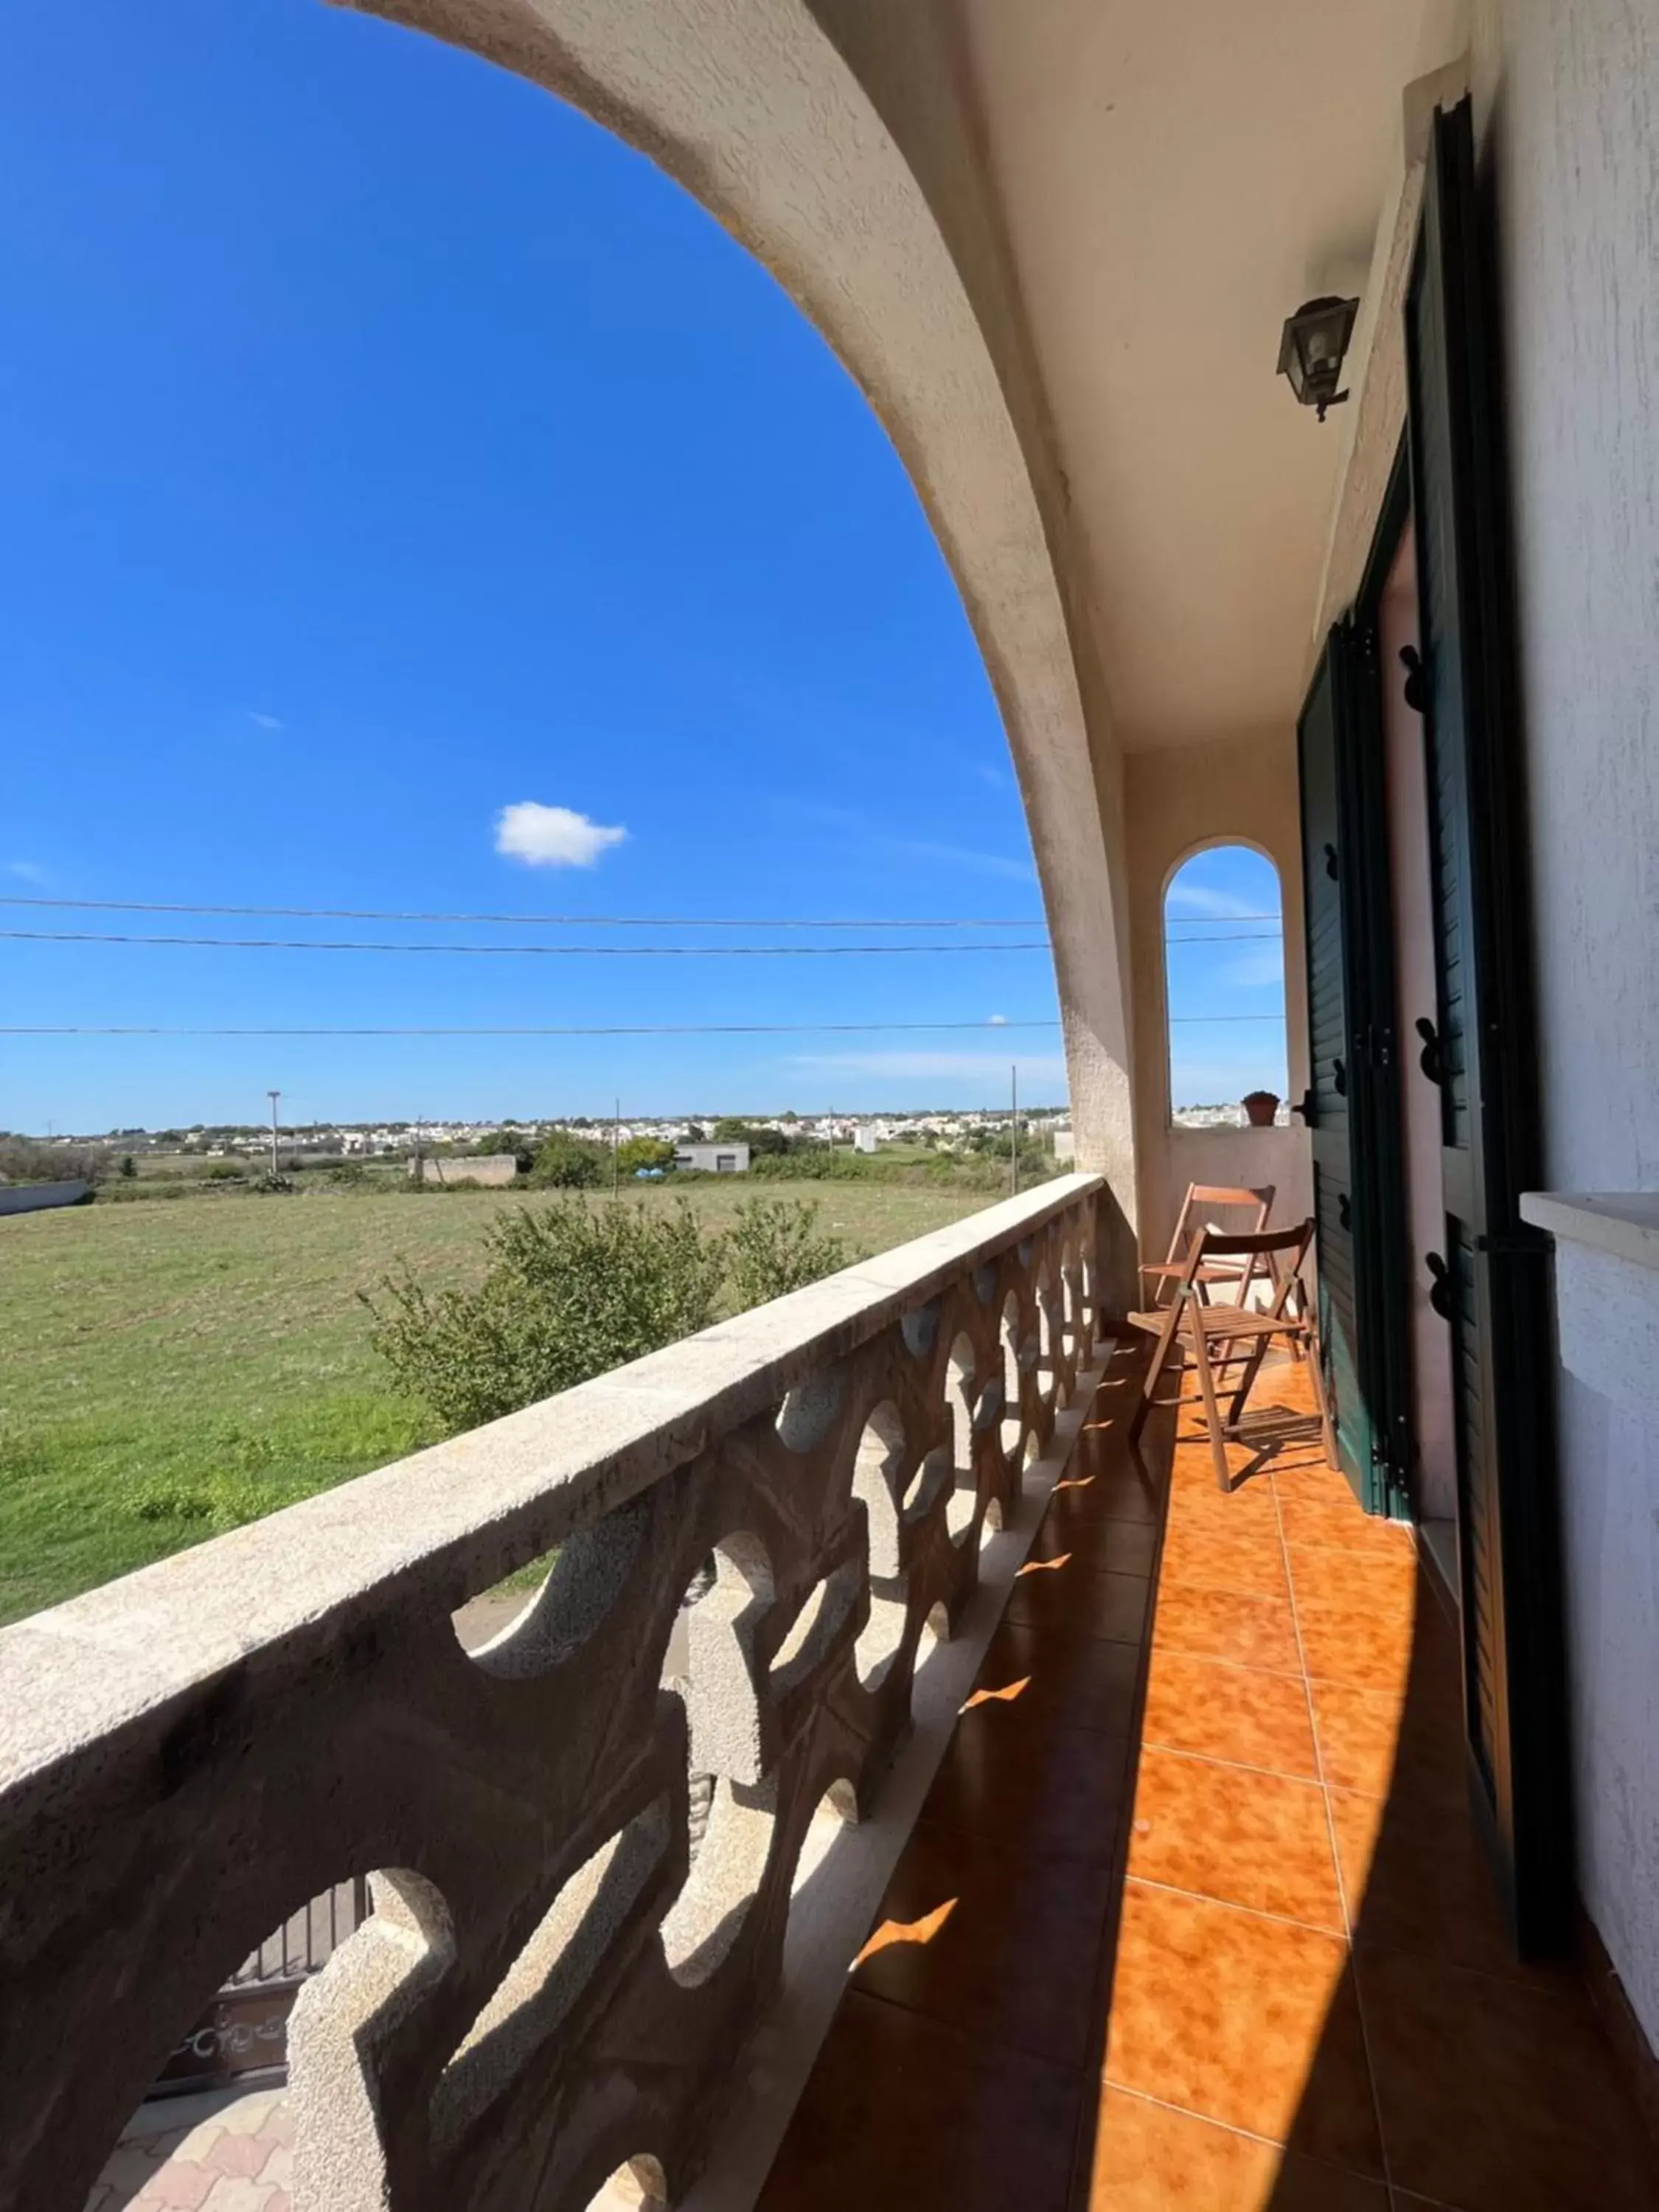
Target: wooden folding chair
point(1159, 1277)
point(1211, 1333)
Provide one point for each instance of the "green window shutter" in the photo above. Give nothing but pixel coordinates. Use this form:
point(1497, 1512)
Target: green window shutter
point(1350, 1108)
point(1493, 1271)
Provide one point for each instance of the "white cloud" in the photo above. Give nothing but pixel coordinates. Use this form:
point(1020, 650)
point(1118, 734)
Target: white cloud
point(1198, 898)
point(998, 1021)
point(264, 721)
point(27, 871)
point(962, 856)
point(551, 836)
point(1261, 965)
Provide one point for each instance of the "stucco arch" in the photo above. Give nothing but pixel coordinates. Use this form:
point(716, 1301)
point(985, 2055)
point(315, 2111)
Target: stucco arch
point(1219, 841)
point(749, 105)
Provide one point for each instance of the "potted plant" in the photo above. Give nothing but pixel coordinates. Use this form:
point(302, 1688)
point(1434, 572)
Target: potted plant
point(1260, 1107)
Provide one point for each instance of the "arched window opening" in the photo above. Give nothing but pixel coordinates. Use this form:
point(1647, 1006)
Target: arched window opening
point(1224, 967)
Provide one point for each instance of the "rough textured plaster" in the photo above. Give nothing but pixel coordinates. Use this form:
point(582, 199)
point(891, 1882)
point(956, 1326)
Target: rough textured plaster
point(1572, 98)
point(751, 106)
point(1243, 791)
point(1566, 103)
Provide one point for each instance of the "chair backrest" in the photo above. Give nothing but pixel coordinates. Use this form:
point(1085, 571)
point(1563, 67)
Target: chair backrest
point(1258, 1203)
point(1267, 1246)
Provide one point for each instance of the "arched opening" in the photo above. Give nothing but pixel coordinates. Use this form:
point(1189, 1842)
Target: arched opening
point(1224, 969)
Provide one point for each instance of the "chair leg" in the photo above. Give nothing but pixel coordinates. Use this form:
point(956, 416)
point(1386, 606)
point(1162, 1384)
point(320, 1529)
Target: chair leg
point(1257, 1353)
point(1150, 1380)
point(1212, 1409)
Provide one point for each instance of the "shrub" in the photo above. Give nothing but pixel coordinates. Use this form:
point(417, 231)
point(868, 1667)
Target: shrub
point(644, 1152)
point(226, 1171)
point(567, 1294)
point(22, 1160)
point(773, 1247)
point(732, 1131)
point(818, 1164)
point(566, 1163)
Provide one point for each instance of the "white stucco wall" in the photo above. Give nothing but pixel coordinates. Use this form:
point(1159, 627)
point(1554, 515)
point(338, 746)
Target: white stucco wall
point(1238, 791)
point(1571, 97)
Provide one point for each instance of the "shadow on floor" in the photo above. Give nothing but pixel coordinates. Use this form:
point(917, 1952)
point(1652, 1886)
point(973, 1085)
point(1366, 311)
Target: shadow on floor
point(1194, 1915)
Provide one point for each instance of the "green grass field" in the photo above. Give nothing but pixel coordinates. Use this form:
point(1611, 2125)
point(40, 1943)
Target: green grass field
point(167, 1370)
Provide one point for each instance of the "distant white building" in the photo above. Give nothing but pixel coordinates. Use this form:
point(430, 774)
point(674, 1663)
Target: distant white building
point(865, 1137)
point(713, 1159)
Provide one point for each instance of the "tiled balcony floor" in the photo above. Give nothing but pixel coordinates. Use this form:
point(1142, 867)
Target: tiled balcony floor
point(1233, 1952)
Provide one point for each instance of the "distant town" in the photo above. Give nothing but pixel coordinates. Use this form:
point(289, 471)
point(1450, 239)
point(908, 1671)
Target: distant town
point(320, 1143)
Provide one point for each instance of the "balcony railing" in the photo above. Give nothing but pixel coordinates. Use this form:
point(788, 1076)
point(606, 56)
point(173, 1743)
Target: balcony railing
point(580, 1836)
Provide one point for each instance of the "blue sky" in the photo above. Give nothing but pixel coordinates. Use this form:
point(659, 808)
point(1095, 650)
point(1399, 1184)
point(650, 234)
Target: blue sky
point(387, 447)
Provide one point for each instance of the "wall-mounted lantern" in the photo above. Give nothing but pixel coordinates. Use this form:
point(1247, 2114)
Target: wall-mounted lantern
point(1310, 351)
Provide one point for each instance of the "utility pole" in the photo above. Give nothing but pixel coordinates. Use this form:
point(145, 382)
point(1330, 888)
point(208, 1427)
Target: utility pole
point(274, 1096)
point(1013, 1135)
point(616, 1151)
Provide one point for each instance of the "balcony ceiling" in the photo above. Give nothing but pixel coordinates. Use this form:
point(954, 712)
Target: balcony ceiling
point(1177, 179)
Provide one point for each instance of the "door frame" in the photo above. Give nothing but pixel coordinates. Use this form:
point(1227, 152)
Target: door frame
point(1386, 1266)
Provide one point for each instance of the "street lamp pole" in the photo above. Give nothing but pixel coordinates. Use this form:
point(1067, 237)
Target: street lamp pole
point(273, 1095)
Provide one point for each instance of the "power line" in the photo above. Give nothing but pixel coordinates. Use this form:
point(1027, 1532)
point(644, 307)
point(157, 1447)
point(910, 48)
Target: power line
point(1171, 922)
point(1278, 1017)
point(497, 951)
point(1239, 936)
point(682, 1028)
point(525, 921)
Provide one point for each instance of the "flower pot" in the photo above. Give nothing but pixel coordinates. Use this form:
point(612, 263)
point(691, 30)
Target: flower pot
point(1260, 1107)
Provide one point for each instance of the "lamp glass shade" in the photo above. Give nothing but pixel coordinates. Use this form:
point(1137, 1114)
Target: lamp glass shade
point(1311, 349)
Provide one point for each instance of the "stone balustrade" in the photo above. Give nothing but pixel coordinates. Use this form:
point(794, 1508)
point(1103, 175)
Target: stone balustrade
point(559, 1971)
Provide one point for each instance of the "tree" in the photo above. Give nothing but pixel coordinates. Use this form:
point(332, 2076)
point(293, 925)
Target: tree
point(730, 1131)
point(568, 1293)
point(643, 1152)
point(521, 1143)
point(564, 1163)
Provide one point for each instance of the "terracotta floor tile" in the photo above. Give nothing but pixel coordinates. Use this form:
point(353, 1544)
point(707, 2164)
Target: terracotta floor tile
point(1385, 1581)
point(1259, 1840)
point(1065, 1592)
point(1047, 1792)
point(1013, 1958)
point(1147, 2158)
point(1193, 1467)
point(1244, 2021)
point(1197, 1504)
point(1064, 1681)
point(1119, 1488)
point(1354, 1642)
point(1075, 1524)
point(1358, 1732)
point(1235, 1713)
point(1311, 1520)
point(1209, 1624)
point(902, 2115)
point(1249, 1556)
point(1374, 1742)
point(1417, 1882)
point(1496, 2098)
